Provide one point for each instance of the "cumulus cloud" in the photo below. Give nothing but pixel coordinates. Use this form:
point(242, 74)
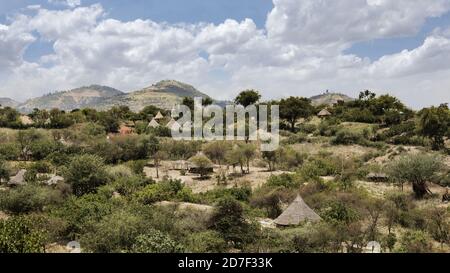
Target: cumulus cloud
point(69, 3)
point(301, 51)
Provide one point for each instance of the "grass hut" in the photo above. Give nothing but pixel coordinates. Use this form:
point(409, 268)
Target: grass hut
point(173, 125)
point(153, 124)
point(296, 213)
point(324, 113)
point(159, 116)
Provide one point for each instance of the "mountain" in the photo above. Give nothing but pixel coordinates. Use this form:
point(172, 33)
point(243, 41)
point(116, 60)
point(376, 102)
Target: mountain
point(72, 99)
point(164, 94)
point(330, 99)
point(7, 102)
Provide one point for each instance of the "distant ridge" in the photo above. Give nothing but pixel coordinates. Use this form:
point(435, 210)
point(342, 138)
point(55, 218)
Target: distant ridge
point(330, 99)
point(164, 94)
point(72, 99)
point(7, 102)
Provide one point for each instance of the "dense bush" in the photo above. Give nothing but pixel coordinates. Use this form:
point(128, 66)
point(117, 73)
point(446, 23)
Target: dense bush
point(18, 236)
point(155, 241)
point(29, 198)
point(85, 173)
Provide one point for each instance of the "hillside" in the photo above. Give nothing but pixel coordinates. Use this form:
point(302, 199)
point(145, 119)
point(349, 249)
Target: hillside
point(329, 99)
point(72, 99)
point(7, 102)
point(164, 94)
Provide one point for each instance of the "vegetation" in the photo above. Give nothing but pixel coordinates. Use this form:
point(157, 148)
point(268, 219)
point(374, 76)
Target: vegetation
point(373, 171)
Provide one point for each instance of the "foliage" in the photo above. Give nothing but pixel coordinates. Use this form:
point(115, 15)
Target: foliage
point(293, 108)
point(155, 241)
point(85, 173)
point(248, 97)
point(417, 169)
point(18, 236)
point(229, 221)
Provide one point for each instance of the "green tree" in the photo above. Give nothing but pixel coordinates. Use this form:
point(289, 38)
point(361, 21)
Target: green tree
point(417, 169)
point(248, 150)
point(228, 219)
point(435, 124)
point(293, 108)
point(17, 235)
point(86, 173)
point(216, 150)
point(248, 97)
point(202, 164)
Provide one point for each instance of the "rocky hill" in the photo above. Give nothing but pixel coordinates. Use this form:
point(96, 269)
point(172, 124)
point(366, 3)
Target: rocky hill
point(68, 100)
point(164, 94)
point(7, 102)
point(329, 99)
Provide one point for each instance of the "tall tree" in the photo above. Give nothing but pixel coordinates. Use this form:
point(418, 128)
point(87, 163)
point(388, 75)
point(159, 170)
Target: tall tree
point(435, 124)
point(247, 97)
point(293, 108)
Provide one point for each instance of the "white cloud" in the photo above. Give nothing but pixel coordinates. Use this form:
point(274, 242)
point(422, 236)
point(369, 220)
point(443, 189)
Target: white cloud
point(300, 52)
point(68, 3)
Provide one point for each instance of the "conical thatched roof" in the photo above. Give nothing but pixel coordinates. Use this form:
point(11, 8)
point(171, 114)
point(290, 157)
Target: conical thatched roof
point(18, 179)
point(159, 116)
point(153, 124)
point(324, 113)
point(296, 213)
point(173, 124)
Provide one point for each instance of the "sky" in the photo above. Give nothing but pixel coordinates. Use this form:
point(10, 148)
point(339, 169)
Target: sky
point(280, 47)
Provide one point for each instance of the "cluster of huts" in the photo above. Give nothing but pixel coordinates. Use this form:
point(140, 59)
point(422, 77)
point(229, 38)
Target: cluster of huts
point(156, 122)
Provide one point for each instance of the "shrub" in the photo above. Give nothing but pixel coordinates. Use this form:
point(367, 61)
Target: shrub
point(18, 236)
point(164, 191)
point(288, 181)
point(344, 137)
point(28, 198)
point(85, 174)
point(155, 241)
point(415, 242)
point(229, 221)
point(206, 242)
point(114, 233)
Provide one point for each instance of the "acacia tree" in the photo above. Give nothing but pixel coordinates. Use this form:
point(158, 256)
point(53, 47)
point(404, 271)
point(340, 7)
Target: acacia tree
point(203, 164)
point(248, 150)
point(417, 169)
point(248, 97)
point(293, 108)
point(435, 124)
point(216, 150)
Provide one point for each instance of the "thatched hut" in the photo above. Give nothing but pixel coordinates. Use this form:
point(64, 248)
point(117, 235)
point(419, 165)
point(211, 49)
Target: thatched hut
point(159, 116)
point(153, 124)
point(173, 125)
point(324, 113)
point(296, 213)
point(18, 179)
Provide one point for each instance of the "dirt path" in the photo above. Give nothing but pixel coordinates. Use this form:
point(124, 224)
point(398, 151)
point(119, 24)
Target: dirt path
point(256, 178)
